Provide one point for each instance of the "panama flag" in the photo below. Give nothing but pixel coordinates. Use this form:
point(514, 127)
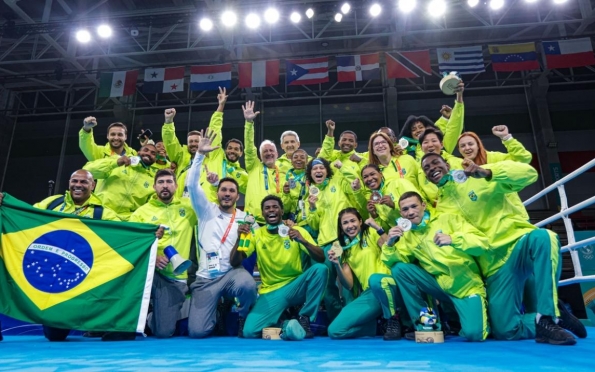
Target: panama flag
point(307, 71)
point(164, 80)
point(117, 84)
point(210, 77)
point(72, 272)
point(358, 67)
point(569, 53)
point(258, 73)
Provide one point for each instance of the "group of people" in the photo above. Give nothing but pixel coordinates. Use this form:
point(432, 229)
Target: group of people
point(370, 235)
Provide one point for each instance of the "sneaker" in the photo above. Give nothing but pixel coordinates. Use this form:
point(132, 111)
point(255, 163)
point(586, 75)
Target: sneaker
point(393, 329)
point(118, 336)
point(93, 334)
point(570, 322)
point(548, 332)
point(410, 336)
point(305, 323)
point(241, 322)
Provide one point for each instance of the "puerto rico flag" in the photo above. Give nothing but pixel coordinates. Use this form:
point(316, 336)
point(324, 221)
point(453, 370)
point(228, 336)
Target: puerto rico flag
point(307, 71)
point(258, 73)
point(210, 77)
point(569, 53)
point(358, 67)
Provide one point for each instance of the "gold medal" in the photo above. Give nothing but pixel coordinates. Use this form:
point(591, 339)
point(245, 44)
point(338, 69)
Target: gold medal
point(376, 196)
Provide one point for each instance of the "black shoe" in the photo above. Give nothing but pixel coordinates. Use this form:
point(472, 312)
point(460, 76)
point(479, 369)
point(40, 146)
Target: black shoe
point(548, 332)
point(118, 336)
point(92, 334)
point(410, 336)
point(570, 322)
point(393, 329)
point(241, 322)
point(305, 323)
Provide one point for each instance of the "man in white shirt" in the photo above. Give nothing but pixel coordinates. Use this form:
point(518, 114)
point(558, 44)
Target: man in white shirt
point(217, 236)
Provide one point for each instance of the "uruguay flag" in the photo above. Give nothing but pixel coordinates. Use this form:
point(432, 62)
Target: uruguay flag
point(358, 67)
point(307, 71)
point(210, 77)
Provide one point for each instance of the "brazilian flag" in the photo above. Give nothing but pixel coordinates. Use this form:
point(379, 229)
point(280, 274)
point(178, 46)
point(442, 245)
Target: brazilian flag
point(68, 272)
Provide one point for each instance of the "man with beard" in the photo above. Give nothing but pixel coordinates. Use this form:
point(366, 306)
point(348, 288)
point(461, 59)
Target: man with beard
point(224, 164)
point(116, 137)
point(126, 180)
point(264, 177)
point(183, 155)
point(290, 142)
point(78, 200)
point(169, 290)
point(285, 283)
point(517, 250)
point(217, 235)
point(347, 146)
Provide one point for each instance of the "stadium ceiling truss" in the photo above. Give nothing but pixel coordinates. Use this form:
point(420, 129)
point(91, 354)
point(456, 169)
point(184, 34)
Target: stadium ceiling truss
point(41, 60)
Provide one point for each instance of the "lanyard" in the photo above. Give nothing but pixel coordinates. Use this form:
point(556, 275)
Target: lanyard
point(351, 243)
point(266, 178)
point(233, 217)
point(77, 211)
point(397, 167)
point(227, 169)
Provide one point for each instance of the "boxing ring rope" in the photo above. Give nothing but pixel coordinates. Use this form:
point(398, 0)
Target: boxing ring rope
point(564, 214)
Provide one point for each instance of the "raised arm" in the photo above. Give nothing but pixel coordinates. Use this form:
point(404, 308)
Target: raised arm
point(454, 127)
point(251, 150)
point(516, 150)
point(198, 198)
point(328, 145)
point(87, 142)
point(174, 149)
point(510, 176)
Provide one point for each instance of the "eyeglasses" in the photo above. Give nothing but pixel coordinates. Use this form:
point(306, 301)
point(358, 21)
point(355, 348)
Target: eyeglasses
point(376, 144)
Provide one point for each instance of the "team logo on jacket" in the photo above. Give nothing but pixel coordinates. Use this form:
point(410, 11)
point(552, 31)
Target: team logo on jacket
point(182, 212)
point(333, 189)
point(472, 195)
point(404, 171)
point(286, 244)
point(238, 175)
point(146, 185)
point(154, 218)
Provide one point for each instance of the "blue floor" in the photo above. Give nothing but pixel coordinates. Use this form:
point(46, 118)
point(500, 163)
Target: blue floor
point(34, 353)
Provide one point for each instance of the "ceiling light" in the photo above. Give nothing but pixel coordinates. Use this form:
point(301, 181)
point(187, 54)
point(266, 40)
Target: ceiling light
point(375, 10)
point(345, 8)
point(229, 18)
point(436, 8)
point(472, 3)
point(407, 6)
point(559, 1)
point(252, 20)
point(338, 17)
point(295, 17)
point(206, 24)
point(310, 13)
point(271, 15)
point(496, 4)
point(83, 36)
point(104, 31)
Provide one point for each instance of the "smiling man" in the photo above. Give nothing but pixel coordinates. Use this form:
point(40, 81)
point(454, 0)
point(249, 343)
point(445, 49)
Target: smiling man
point(168, 290)
point(126, 183)
point(116, 141)
point(290, 142)
point(284, 281)
point(347, 146)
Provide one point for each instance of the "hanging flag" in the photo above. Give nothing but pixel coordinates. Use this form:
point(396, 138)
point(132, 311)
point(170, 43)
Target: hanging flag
point(71, 272)
point(407, 65)
point(358, 67)
point(569, 53)
point(164, 80)
point(514, 57)
point(258, 73)
point(464, 60)
point(210, 77)
point(117, 84)
point(307, 71)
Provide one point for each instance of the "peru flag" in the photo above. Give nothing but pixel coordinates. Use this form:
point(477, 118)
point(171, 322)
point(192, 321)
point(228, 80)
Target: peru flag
point(358, 67)
point(569, 53)
point(258, 73)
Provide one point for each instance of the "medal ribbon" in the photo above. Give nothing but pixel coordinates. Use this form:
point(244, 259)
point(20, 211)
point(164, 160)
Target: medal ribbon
point(233, 217)
point(266, 178)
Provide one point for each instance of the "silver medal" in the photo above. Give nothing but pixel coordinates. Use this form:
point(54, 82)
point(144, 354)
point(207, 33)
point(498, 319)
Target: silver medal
point(314, 190)
point(459, 176)
point(134, 160)
point(376, 196)
point(404, 224)
point(292, 183)
point(403, 143)
point(283, 231)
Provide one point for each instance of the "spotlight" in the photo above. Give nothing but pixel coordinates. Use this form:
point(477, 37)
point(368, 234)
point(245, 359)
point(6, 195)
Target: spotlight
point(134, 32)
point(338, 17)
point(436, 8)
point(496, 4)
point(229, 18)
point(104, 31)
point(310, 13)
point(206, 24)
point(295, 17)
point(559, 1)
point(271, 15)
point(531, 1)
point(407, 6)
point(83, 36)
point(252, 20)
point(473, 3)
point(345, 8)
point(375, 10)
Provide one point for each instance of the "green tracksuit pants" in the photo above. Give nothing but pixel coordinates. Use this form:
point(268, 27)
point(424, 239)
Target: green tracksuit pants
point(413, 282)
point(332, 298)
point(535, 254)
point(358, 318)
point(307, 289)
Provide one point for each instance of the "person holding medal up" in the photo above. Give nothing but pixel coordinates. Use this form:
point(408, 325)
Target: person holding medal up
point(435, 254)
point(219, 230)
point(517, 250)
point(356, 257)
point(285, 282)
